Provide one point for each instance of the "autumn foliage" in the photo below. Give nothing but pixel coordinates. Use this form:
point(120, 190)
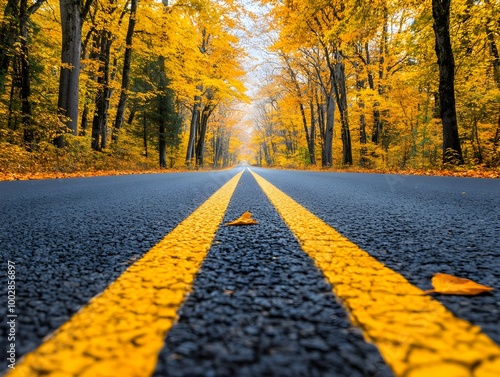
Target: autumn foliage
point(365, 74)
point(152, 76)
point(349, 84)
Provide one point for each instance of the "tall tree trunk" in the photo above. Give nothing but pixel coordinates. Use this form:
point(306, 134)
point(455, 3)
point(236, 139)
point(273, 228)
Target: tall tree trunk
point(452, 151)
point(293, 76)
point(71, 24)
point(495, 62)
point(341, 97)
point(8, 36)
point(321, 119)
point(99, 124)
point(12, 119)
point(195, 118)
point(310, 144)
point(476, 143)
point(360, 85)
point(163, 110)
point(225, 150)
point(120, 112)
point(131, 116)
point(378, 129)
point(326, 158)
point(312, 137)
point(145, 132)
point(162, 131)
point(29, 133)
point(200, 145)
point(363, 161)
point(267, 154)
point(327, 155)
point(85, 120)
point(215, 146)
point(9, 33)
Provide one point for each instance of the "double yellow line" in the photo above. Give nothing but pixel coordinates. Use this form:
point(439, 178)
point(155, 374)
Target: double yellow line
point(121, 331)
point(415, 334)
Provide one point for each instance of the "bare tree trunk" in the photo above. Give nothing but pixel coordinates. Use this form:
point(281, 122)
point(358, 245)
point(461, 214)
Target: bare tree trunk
point(452, 151)
point(312, 137)
point(8, 36)
point(478, 152)
point(195, 118)
point(267, 155)
point(360, 84)
point(162, 108)
point(326, 155)
point(99, 124)
point(200, 145)
point(12, 119)
point(71, 23)
point(495, 62)
point(162, 130)
point(215, 145)
point(131, 116)
point(120, 112)
point(293, 76)
point(378, 130)
point(85, 120)
point(145, 132)
point(29, 133)
point(341, 97)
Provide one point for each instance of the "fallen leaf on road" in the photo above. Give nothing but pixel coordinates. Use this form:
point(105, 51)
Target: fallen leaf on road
point(451, 285)
point(245, 219)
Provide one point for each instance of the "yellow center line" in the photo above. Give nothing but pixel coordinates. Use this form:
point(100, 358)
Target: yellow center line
point(415, 334)
point(121, 331)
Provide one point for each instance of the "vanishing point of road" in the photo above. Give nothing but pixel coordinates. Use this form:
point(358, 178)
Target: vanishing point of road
point(138, 276)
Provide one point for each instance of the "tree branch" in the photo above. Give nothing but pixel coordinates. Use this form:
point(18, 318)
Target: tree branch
point(32, 9)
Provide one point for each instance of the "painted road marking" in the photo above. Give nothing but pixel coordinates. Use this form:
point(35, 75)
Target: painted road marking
point(416, 335)
point(121, 331)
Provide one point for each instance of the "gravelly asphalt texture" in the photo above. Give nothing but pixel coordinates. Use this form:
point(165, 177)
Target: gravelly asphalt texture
point(259, 306)
point(416, 225)
point(70, 238)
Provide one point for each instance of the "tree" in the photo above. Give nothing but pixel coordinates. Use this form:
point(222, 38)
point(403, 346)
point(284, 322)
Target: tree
point(8, 36)
point(120, 112)
point(215, 71)
point(309, 131)
point(168, 120)
point(73, 12)
point(17, 14)
point(29, 134)
point(314, 27)
point(452, 151)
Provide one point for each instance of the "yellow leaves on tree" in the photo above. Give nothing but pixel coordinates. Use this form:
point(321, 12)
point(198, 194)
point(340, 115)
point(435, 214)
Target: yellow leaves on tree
point(245, 219)
point(452, 285)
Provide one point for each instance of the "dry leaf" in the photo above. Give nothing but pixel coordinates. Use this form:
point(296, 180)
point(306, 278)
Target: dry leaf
point(245, 219)
point(451, 285)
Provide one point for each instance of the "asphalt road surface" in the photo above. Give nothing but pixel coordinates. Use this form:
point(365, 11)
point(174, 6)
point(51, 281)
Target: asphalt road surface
point(259, 304)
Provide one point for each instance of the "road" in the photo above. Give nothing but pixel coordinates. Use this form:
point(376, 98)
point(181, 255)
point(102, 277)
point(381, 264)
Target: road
point(261, 302)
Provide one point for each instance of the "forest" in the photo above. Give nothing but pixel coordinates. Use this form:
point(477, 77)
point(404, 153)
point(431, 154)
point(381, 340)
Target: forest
point(91, 85)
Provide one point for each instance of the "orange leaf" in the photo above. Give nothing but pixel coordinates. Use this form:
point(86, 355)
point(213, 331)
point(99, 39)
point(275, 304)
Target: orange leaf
point(451, 285)
point(245, 219)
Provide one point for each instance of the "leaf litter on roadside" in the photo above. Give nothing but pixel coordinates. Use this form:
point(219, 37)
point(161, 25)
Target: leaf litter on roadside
point(452, 285)
point(245, 219)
